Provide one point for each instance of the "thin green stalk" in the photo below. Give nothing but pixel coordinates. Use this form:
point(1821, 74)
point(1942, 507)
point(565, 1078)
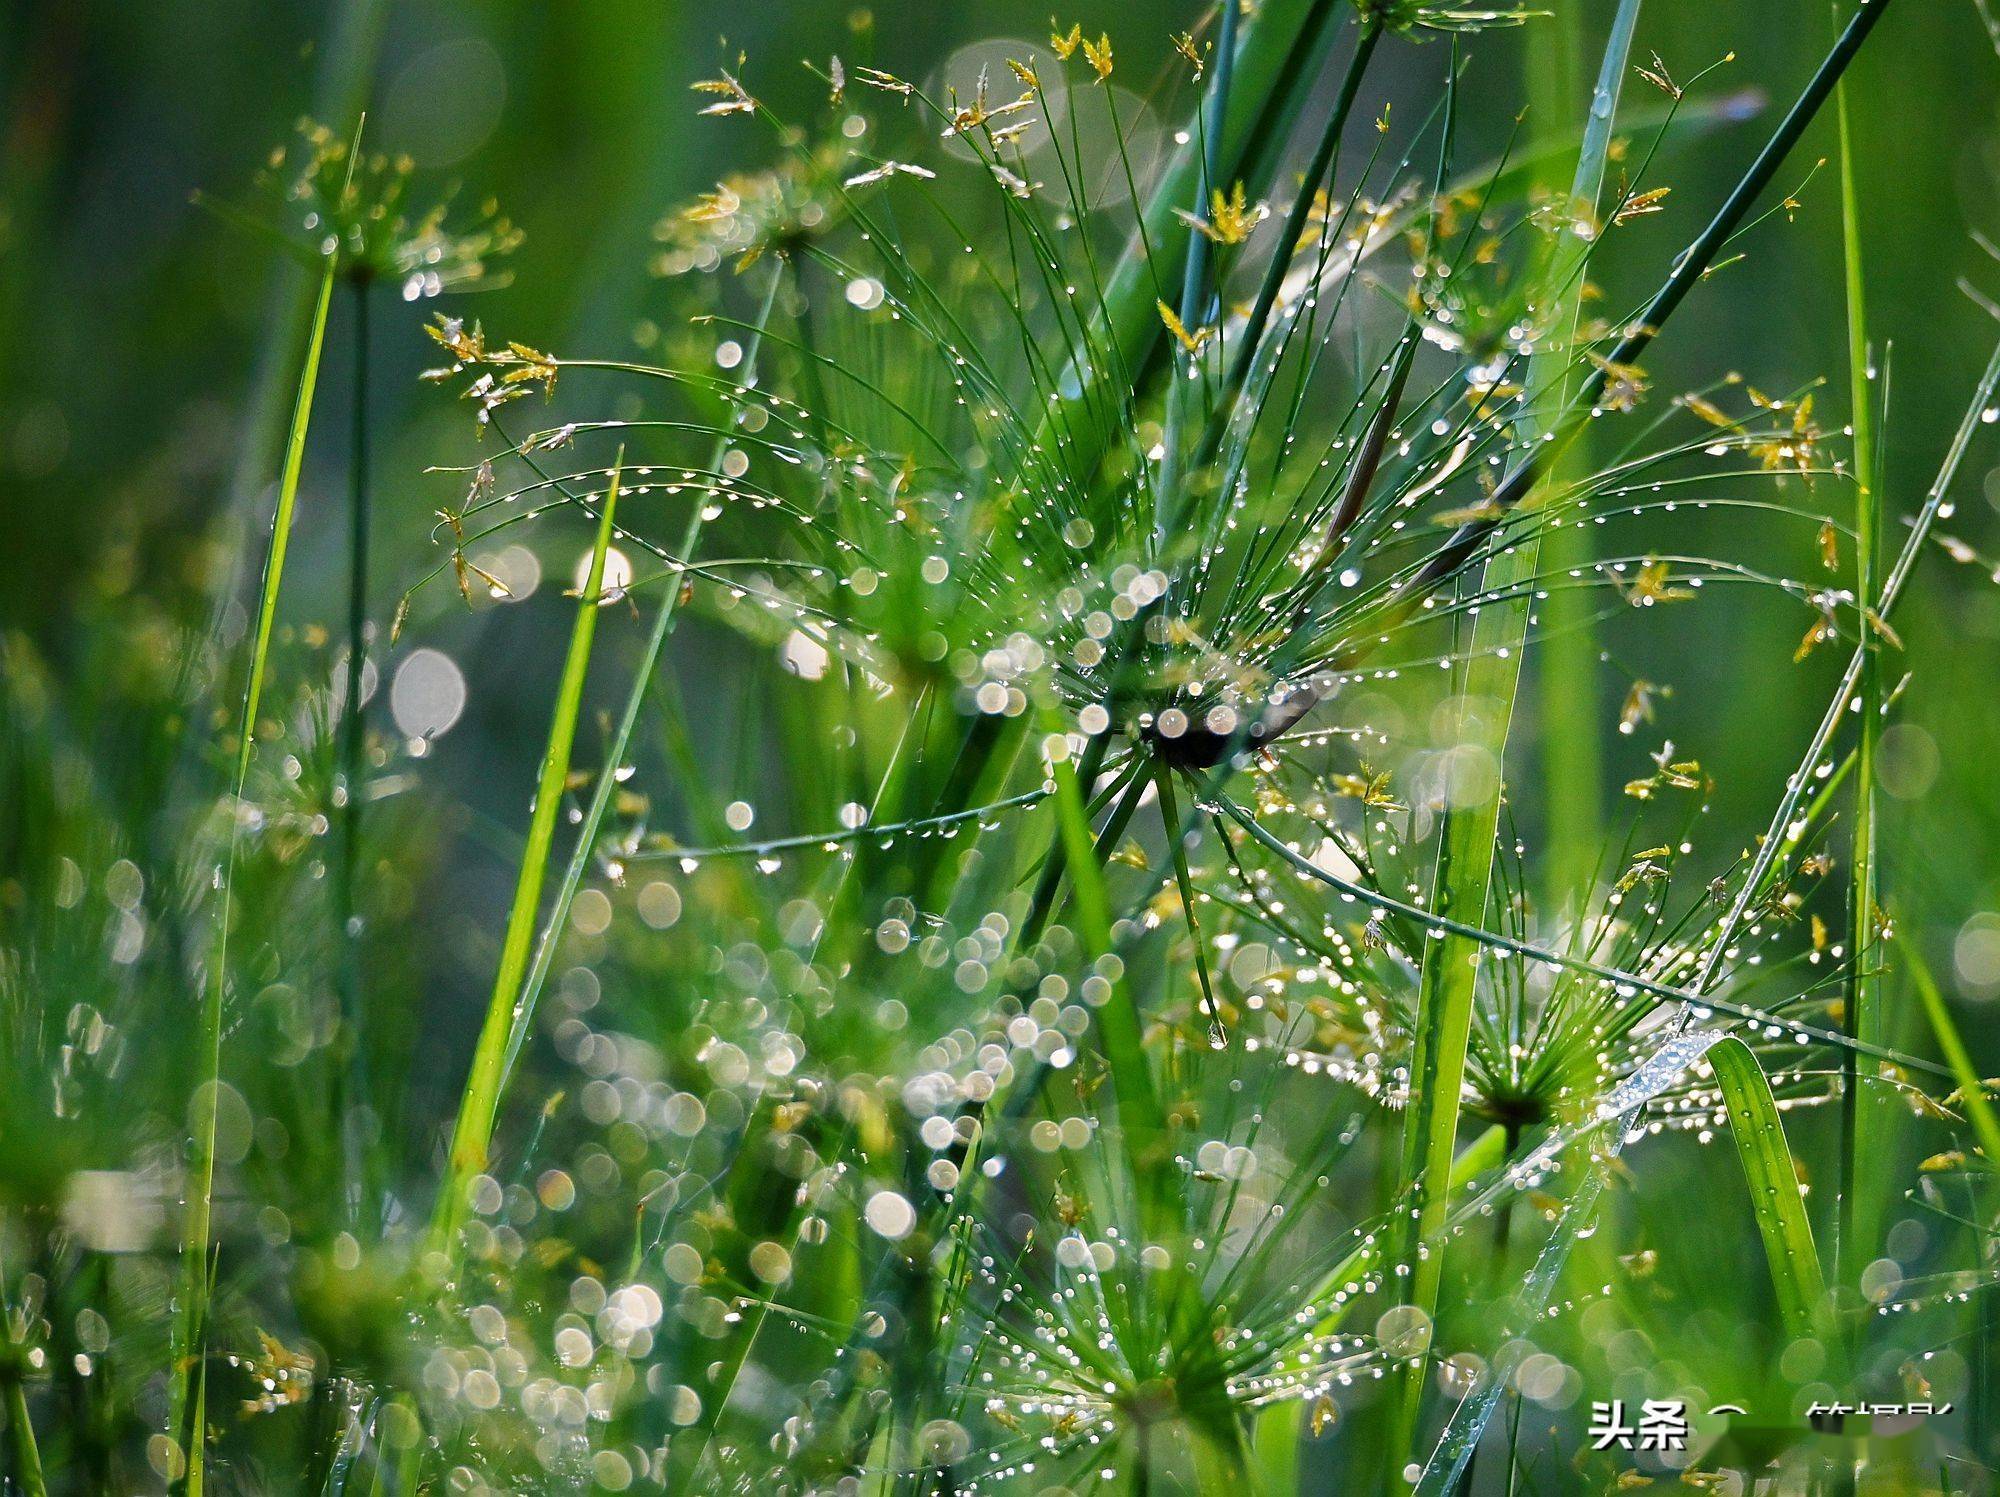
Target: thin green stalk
point(1464, 873)
point(1571, 662)
point(1860, 1120)
point(1271, 58)
point(621, 739)
point(1690, 266)
point(1497, 1279)
point(1985, 1328)
point(472, 1133)
point(1043, 906)
point(1572, 742)
point(1194, 280)
point(191, 1327)
point(350, 1075)
point(1971, 1089)
point(1325, 157)
point(1170, 821)
point(347, 68)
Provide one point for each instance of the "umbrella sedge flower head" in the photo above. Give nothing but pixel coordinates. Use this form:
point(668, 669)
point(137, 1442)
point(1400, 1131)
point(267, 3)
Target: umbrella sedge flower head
point(316, 198)
point(748, 215)
point(730, 95)
point(1230, 217)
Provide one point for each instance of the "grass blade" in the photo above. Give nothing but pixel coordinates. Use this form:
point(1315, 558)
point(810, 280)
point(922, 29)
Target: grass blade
point(1141, 1121)
point(1971, 1088)
point(191, 1327)
point(1862, 1120)
point(1572, 750)
point(600, 799)
point(472, 1134)
point(1774, 1187)
point(1464, 870)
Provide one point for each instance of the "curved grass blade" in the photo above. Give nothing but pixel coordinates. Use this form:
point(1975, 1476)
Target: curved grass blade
point(1774, 1187)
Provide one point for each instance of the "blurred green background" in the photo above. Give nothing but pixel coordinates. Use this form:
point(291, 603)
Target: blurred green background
point(136, 328)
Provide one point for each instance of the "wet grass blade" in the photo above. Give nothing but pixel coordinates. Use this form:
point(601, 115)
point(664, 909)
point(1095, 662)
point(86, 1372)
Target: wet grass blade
point(1275, 45)
point(607, 783)
point(1141, 1122)
point(1774, 1187)
point(1570, 662)
point(1464, 871)
point(191, 1327)
point(1862, 1119)
point(472, 1134)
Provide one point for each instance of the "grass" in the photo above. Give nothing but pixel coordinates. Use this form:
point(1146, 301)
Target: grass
point(1772, 1175)
point(1468, 845)
point(472, 1131)
point(1033, 962)
point(191, 1333)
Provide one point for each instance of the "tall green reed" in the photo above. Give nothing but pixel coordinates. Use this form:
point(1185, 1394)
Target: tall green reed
point(1862, 1136)
point(1486, 690)
point(350, 1090)
point(188, 1416)
point(1568, 678)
